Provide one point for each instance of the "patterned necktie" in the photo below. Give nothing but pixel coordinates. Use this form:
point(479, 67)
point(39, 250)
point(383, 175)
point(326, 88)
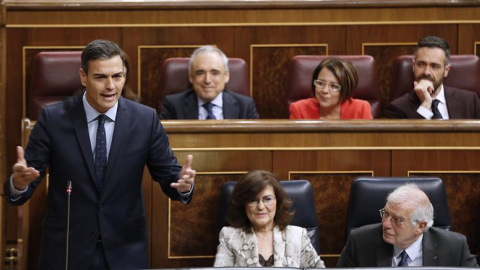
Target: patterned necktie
point(208, 106)
point(403, 261)
point(101, 150)
point(436, 112)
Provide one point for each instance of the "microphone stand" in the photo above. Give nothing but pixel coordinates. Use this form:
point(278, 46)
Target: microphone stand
point(69, 191)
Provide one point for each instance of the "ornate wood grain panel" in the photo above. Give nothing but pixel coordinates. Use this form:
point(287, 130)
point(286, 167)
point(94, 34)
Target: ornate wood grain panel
point(269, 73)
point(385, 55)
point(332, 190)
point(461, 176)
point(150, 63)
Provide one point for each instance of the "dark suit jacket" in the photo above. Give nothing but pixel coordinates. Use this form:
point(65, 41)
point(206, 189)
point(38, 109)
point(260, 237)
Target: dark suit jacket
point(116, 211)
point(461, 104)
point(366, 248)
point(184, 105)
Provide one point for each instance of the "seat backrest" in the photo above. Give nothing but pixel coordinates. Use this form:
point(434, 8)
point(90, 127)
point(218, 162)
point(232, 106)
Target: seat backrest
point(300, 191)
point(300, 72)
point(369, 194)
point(54, 77)
point(464, 74)
point(174, 76)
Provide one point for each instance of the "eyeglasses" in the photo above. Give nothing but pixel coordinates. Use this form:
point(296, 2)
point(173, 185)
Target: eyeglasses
point(321, 84)
point(267, 201)
point(396, 220)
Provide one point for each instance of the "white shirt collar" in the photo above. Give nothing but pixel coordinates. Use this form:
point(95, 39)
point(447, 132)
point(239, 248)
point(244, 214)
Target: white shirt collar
point(413, 250)
point(441, 95)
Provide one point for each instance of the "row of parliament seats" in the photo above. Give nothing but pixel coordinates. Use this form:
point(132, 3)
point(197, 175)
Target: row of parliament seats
point(55, 76)
point(367, 196)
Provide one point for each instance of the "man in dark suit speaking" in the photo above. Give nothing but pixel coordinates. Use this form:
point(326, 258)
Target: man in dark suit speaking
point(100, 142)
point(430, 99)
point(208, 99)
point(405, 237)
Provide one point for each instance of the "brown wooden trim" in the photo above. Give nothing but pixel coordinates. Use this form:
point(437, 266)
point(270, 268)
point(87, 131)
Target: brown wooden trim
point(220, 4)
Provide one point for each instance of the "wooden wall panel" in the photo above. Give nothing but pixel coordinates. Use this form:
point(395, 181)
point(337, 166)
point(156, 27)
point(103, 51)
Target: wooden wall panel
point(385, 55)
point(468, 39)
point(149, 72)
point(266, 38)
point(271, 49)
point(270, 73)
point(460, 172)
point(331, 174)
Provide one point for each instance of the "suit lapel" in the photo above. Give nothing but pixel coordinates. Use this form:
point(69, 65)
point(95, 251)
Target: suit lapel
point(230, 106)
point(190, 109)
point(429, 247)
point(384, 254)
point(81, 131)
point(121, 124)
point(453, 109)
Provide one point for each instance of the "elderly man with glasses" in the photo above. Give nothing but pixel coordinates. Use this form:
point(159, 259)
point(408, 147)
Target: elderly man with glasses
point(406, 237)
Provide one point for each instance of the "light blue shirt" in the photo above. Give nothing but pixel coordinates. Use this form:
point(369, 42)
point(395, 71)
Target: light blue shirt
point(92, 115)
point(414, 251)
point(217, 108)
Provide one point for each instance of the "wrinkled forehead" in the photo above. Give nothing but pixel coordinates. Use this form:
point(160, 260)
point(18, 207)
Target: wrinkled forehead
point(398, 209)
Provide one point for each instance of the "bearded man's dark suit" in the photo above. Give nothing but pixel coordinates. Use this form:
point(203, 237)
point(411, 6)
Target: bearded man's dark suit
point(366, 248)
point(184, 105)
point(60, 141)
point(461, 104)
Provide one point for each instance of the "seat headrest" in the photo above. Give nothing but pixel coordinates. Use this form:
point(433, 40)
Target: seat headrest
point(54, 77)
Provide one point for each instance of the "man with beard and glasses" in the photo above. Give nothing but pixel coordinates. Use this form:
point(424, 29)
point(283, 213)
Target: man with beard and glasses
point(430, 99)
point(405, 237)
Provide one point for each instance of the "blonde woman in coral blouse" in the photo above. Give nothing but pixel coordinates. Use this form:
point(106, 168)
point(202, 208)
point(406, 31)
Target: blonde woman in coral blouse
point(333, 83)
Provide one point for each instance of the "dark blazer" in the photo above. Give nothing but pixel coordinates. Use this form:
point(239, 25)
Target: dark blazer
point(184, 105)
point(115, 211)
point(366, 248)
point(461, 104)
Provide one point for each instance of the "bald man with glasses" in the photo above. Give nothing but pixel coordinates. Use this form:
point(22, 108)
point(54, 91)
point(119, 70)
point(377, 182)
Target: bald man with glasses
point(406, 237)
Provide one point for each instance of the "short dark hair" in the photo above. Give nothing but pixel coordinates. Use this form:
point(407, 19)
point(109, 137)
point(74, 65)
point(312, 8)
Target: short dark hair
point(345, 72)
point(104, 50)
point(247, 189)
point(434, 42)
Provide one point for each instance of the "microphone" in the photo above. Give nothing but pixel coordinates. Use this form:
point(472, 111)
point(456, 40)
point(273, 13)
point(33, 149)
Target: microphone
point(69, 192)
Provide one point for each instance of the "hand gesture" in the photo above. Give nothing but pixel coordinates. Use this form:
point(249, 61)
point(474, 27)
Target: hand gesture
point(424, 90)
point(23, 175)
point(187, 177)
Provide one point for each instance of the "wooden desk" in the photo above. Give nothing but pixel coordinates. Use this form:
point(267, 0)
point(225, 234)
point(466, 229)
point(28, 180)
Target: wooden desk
point(329, 154)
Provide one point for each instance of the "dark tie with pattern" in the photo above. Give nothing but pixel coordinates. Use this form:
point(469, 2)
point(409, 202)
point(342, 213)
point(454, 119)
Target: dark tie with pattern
point(403, 261)
point(208, 106)
point(101, 150)
point(436, 112)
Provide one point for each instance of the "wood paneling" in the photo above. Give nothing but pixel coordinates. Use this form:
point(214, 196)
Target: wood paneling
point(266, 35)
